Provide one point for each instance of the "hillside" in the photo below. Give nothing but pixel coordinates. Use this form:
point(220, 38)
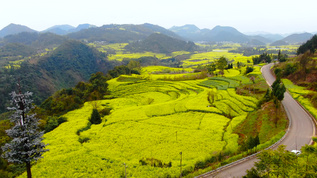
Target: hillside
point(310, 45)
point(301, 70)
point(160, 43)
point(119, 33)
point(63, 68)
point(38, 40)
point(73, 62)
point(14, 29)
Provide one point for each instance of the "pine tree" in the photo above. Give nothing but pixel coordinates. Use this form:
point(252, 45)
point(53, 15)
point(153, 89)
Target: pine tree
point(26, 145)
point(95, 117)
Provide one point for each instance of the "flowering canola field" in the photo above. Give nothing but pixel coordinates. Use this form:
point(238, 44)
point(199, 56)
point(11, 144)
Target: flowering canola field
point(150, 120)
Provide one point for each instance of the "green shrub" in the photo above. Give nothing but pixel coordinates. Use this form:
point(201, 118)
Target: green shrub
point(289, 69)
point(105, 111)
point(61, 120)
point(154, 163)
point(248, 70)
point(51, 124)
point(83, 139)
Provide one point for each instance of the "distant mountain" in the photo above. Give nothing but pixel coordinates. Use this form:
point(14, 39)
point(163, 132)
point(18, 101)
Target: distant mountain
point(114, 33)
point(81, 27)
point(293, 39)
point(217, 34)
point(59, 29)
point(255, 42)
point(107, 34)
point(14, 29)
point(221, 33)
point(260, 39)
point(272, 37)
point(266, 35)
point(189, 32)
point(297, 38)
point(154, 29)
point(66, 29)
point(160, 43)
point(279, 43)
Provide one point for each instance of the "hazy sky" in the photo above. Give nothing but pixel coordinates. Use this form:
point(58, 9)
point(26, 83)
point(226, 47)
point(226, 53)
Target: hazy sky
point(275, 16)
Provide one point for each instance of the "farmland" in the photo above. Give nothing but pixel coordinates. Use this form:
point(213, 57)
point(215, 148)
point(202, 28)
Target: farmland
point(152, 121)
point(157, 118)
point(192, 59)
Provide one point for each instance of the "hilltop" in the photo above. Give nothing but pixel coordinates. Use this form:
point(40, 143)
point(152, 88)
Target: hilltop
point(14, 29)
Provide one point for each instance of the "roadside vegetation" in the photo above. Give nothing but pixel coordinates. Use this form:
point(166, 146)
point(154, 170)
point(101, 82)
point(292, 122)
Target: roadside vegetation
point(299, 77)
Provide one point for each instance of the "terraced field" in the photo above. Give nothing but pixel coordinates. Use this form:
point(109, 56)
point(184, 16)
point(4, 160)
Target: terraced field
point(151, 123)
point(193, 58)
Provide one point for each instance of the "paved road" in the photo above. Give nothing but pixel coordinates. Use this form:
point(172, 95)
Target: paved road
point(300, 132)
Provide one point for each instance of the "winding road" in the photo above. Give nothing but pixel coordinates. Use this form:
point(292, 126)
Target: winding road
point(301, 129)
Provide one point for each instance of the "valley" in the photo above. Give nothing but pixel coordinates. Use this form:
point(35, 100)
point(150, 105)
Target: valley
point(169, 107)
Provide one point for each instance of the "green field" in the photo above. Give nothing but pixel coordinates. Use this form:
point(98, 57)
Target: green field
point(208, 57)
point(151, 120)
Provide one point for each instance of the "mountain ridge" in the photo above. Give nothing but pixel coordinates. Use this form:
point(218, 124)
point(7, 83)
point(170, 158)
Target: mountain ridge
point(118, 33)
point(66, 29)
point(217, 34)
